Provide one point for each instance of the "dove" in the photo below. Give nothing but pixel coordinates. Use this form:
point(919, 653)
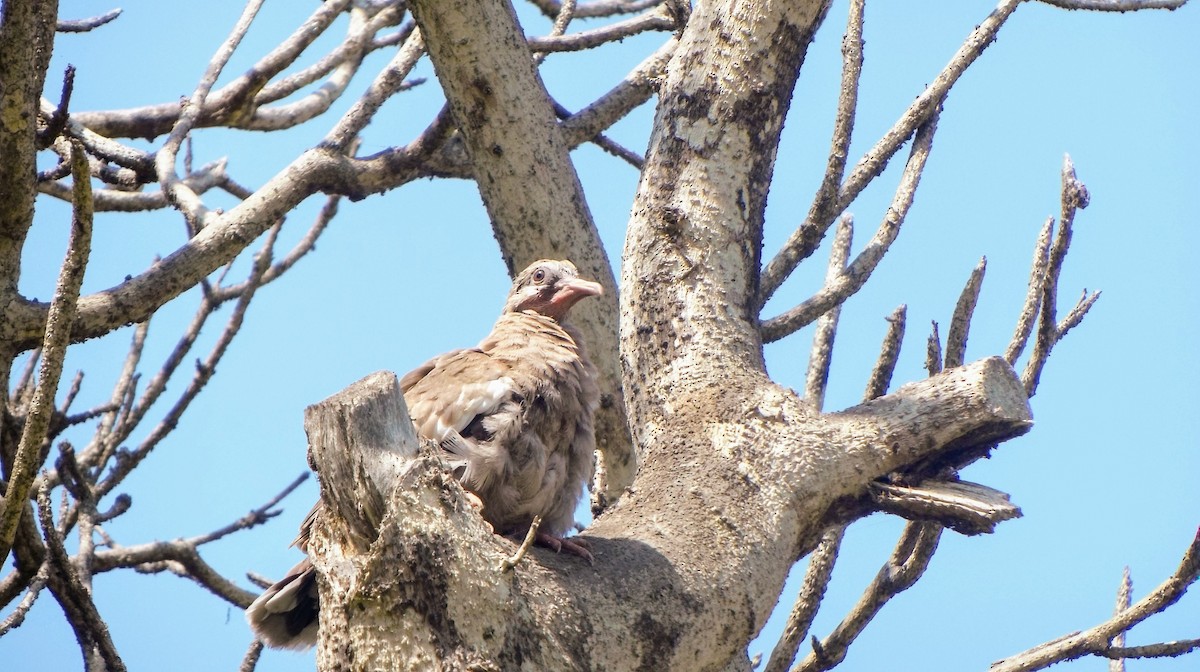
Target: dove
point(513, 417)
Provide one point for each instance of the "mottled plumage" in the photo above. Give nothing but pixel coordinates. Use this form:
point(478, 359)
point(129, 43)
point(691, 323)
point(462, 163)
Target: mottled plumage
point(514, 417)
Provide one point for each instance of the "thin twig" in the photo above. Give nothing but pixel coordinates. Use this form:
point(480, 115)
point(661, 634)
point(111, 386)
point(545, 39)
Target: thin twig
point(821, 354)
point(204, 370)
point(73, 596)
point(1124, 598)
point(255, 517)
point(510, 562)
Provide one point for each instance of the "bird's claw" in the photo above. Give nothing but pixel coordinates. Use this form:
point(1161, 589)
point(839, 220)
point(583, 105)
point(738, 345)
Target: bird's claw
point(572, 545)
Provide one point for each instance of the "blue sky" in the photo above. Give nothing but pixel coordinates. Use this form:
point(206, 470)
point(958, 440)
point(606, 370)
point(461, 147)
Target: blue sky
point(1105, 479)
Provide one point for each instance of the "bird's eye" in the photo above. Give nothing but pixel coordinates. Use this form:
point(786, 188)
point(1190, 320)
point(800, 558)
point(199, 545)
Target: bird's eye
point(539, 275)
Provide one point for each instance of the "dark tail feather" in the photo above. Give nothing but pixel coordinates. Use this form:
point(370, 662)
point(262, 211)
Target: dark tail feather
point(285, 615)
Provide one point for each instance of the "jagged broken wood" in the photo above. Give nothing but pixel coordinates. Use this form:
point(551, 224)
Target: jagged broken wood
point(968, 508)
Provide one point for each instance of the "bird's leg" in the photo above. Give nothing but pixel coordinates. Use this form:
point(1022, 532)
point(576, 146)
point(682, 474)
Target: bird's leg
point(572, 545)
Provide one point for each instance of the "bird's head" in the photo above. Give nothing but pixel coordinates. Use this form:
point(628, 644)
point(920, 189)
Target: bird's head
point(549, 288)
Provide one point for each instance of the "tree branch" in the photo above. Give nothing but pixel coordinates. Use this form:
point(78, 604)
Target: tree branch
point(908, 562)
point(76, 600)
point(825, 199)
point(53, 350)
point(1116, 5)
point(848, 283)
point(805, 239)
point(822, 348)
point(960, 322)
point(1097, 640)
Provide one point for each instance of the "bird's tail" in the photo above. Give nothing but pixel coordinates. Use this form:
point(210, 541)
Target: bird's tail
point(285, 615)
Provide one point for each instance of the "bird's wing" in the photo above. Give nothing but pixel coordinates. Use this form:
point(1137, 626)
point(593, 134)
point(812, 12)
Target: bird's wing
point(449, 391)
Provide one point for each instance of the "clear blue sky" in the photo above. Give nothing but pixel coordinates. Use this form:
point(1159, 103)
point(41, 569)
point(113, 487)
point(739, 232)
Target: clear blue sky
point(1105, 479)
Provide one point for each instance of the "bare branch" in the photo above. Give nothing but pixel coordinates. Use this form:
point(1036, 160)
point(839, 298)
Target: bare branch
point(565, 14)
point(1124, 598)
point(658, 20)
point(54, 349)
point(966, 508)
point(344, 61)
point(807, 238)
point(76, 600)
point(357, 43)
point(57, 120)
point(1116, 5)
point(909, 560)
point(822, 347)
point(208, 177)
point(933, 352)
point(812, 591)
point(179, 557)
point(960, 322)
point(386, 84)
point(17, 617)
point(231, 100)
point(889, 354)
point(596, 8)
point(825, 200)
point(91, 23)
point(256, 516)
point(856, 275)
point(250, 661)
point(178, 194)
point(1074, 197)
point(1033, 298)
point(1097, 640)
point(1160, 650)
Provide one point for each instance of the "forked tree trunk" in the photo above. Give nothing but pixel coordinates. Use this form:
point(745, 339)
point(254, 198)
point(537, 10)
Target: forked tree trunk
point(738, 475)
point(688, 564)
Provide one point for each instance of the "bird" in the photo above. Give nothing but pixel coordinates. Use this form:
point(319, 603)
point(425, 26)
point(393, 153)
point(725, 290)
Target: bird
point(513, 419)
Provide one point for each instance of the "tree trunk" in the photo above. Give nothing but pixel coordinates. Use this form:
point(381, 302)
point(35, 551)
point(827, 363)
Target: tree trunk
point(687, 566)
point(738, 476)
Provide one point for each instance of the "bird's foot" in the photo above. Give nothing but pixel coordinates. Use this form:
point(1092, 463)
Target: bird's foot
point(572, 545)
point(476, 505)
